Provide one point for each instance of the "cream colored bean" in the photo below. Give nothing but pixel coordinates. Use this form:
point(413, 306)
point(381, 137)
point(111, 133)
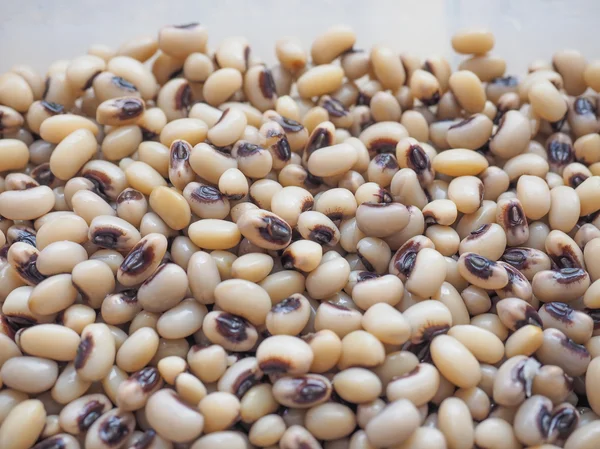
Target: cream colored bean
point(23, 425)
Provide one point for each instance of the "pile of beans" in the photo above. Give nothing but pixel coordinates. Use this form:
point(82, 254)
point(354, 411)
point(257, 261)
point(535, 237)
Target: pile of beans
point(351, 249)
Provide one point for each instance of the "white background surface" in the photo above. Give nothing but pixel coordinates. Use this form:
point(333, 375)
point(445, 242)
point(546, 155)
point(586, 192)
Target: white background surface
point(37, 32)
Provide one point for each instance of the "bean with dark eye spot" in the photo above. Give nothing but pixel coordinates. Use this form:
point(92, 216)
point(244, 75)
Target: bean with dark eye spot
point(302, 391)
point(559, 148)
point(142, 260)
point(563, 251)
point(265, 229)
point(321, 137)
point(113, 233)
point(110, 430)
point(230, 331)
point(576, 324)
point(558, 349)
point(527, 260)
point(515, 313)
point(482, 272)
point(582, 117)
point(510, 215)
point(60, 441)
point(20, 233)
point(180, 171)
point(23, 257)
point(79, 415)
point(96, 352)
point(537, 422)
point(514, 380)
point(133, 393)
point(120, 111)
point(566, 284)
point(43, 175)
point(289, 316)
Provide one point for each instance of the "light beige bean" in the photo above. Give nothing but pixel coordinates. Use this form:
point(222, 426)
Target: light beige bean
point(31, 375)
point(23, 425)
point(320, 80)
point(446, 351)
point(394, 424)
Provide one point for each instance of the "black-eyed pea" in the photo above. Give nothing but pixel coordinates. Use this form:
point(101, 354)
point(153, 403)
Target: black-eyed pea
point(170, 367)
point(304, 255)
point(469, 373)
point(207, 363)
point(50, 341)
point(382, 137)
point(26, 204)
point(472, 133)
point(445, 239)
point(330, 421)
point(460, 162)
point(495, 182)
point(385, 107)
point(78, 415)
point(284, 354)
point(240, 377)
point(419, 385)
point(393, 425)
point(230, 331)
point(137, 351)
point(258, 401)
point(455, 422)
point(326, 347)
point(453, 277)
point(243, 298)
point(382, 169)
point(23, 424)
point(371, 289)
point(449, 296)
point(586, 234)
point(173, 418)
point(52, 295)
point(253, 267)
point(575, 173)
point(473, 41)
point(132, 205)
point(107, 231)
point(164, 289)
point(374, 254)
point(468, 90)
point(514, 380)
point(267, 430)
point(289, 316)
point(60, 257)
point(525, 341)
point(142, 260)
point(387, 67)
point(303, 391)
point(489, 241)
point(332, 43)
point(171, 206)
point(142, 319)
point(231, 439)
point(88, 205)
point(190, 388)
point(587, 192)
point(328, 278)
point(589, 255)
point(31, 375)
point(559, 149)
point(467, 193)
point(546, 101)
point(94, 280)
point(476, 300)
point(558, 349)
point(204, 276)
point(483, 344)
point(360, 348)
point(133, 393)
point(214, 234)
point(191, 130)
point(492, 323)
point(381, 219)
point(565, 284)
